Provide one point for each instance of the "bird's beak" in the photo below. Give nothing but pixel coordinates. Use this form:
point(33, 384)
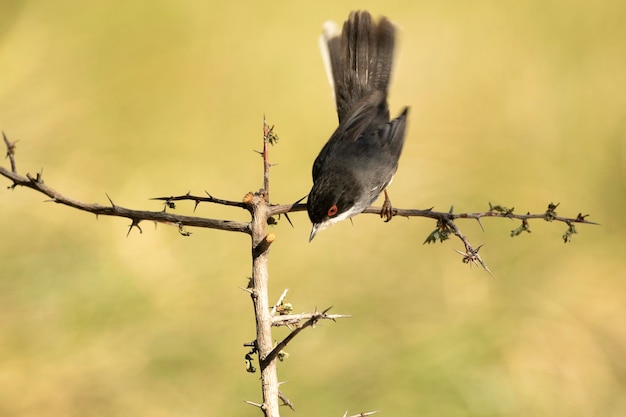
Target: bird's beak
point(314, 231)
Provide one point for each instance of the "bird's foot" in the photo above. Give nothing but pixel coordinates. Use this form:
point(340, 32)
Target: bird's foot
point(387, 212)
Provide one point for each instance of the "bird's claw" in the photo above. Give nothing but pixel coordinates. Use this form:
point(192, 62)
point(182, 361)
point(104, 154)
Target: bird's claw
point(387, 211)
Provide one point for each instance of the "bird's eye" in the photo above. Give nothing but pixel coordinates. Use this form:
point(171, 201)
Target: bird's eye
point(332, 210)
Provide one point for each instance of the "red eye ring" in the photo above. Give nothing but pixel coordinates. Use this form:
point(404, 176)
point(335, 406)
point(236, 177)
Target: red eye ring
point(332, 210)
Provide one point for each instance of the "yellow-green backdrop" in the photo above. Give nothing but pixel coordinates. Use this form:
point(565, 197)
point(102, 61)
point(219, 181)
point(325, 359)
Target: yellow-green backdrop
point(515, 103)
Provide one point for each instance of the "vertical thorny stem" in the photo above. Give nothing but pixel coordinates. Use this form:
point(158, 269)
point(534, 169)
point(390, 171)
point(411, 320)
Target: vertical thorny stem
point(259, 208)
point(260, 279)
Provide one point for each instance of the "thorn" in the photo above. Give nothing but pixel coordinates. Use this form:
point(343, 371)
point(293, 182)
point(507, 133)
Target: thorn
point(135, 223)
point(250, 344)
point(285, 400)
point(111, 201)
point(39, 176)
point(10, 151)
point(289, 220)
point(582, 218)
point(299, 201)
point(279, 302)
point(471, 255)
point(6, 139)
point(480, 224)
point(248, 290)
point(254, 404)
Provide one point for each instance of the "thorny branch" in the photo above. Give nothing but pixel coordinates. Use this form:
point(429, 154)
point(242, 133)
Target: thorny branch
point(312, 320)
point(295, 319)
point(36, 183)
point(281, 314)
point(445, 220)
point(262, 212)
point(364, 414)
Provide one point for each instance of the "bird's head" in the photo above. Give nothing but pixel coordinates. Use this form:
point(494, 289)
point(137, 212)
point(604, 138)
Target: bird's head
point(332, 199)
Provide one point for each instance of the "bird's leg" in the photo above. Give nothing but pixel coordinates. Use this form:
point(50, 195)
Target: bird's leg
point(387, 211)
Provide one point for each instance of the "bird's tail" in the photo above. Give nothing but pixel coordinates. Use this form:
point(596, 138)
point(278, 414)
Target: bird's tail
point(358, 59)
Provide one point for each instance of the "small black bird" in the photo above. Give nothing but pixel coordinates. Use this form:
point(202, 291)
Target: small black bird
point(360, 159)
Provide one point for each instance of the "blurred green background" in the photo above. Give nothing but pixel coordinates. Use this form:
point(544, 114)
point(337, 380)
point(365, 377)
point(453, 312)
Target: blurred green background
point(515, 103)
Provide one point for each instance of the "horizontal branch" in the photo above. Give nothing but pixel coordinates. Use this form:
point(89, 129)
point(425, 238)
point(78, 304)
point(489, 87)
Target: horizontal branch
point(495, 211)
point(363, 414)
point(312, 320)
point(136, 216)
point(446, 224)
point(291, 319)
point(445, 220)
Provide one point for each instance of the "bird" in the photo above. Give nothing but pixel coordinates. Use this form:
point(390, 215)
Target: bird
point(360, 159)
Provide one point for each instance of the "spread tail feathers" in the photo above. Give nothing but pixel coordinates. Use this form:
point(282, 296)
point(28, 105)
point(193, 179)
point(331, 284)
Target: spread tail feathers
point(358, 59)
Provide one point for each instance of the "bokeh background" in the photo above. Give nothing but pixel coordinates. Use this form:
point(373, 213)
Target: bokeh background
point(514, 103)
